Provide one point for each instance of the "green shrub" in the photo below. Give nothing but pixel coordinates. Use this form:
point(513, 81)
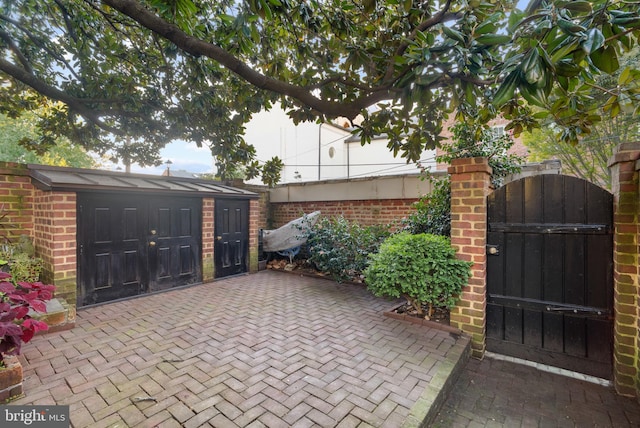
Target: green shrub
point(432, 212)
point(421, 268)
point(340, 248)
point(19, 259)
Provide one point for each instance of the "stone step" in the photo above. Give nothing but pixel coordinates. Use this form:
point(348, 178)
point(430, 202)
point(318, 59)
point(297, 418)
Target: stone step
point(57, 315)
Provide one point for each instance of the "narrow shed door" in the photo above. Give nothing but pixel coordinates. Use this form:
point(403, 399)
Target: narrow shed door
point(174, 242)
point(231, 248)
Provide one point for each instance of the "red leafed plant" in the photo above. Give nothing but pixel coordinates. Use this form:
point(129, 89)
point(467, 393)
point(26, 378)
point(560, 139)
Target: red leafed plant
point(17, 298)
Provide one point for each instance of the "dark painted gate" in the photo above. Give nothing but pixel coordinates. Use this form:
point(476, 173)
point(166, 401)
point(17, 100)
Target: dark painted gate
point(231, 237)
point(133, 244)
point(550, 273)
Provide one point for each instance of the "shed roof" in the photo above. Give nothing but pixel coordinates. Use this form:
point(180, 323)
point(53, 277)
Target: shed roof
point(76, 179)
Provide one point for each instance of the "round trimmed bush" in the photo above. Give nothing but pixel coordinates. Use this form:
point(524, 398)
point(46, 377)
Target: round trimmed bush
point(421, 268)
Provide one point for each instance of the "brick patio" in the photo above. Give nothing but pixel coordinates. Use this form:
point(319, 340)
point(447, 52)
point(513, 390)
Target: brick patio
point(269, 349)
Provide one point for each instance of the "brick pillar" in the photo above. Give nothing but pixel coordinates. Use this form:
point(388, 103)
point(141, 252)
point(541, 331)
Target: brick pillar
point(470, 181)
point(208, 267)
point(626, 338)
point(16, 201)
point(55, 232)
point(254, 220)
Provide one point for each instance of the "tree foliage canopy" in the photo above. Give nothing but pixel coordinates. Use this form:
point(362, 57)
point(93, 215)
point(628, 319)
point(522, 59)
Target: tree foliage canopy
point(18, 135)
point(590, 158)
point(159, 70)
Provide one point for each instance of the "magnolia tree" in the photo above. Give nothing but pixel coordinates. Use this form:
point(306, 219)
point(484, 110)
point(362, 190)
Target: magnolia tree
point(152, 71)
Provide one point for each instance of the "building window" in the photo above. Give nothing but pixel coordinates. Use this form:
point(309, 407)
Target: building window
point(332, 152)
point(497, 132)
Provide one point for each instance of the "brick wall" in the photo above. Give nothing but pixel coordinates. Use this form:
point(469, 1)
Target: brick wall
point(364, 212)
point(263, 208)
point(208, 268)
point(625, 187)
point(256, 216)
point(16, 201)
point(470, 181)
point(55, 240)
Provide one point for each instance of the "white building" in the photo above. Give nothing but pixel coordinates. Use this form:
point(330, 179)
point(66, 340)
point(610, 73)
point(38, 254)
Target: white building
point(314, 152)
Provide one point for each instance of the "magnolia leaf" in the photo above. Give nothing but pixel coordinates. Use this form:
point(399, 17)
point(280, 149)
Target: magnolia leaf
point(493, 39)
point(506, 90)
point(594, 41)
point(605, 59)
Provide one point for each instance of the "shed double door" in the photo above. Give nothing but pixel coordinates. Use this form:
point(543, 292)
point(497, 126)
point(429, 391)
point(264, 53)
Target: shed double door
point(135, 244)
point(549, 273)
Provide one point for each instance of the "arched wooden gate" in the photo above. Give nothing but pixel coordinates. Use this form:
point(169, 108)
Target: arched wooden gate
point(550, 273)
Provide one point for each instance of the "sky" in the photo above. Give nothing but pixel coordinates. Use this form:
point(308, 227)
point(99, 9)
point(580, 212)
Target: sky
point(183, 156)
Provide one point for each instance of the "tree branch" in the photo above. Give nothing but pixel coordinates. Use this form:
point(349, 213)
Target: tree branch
point(39, 43)
point(16, 50)
point(74, 104)
point(436, 19)
point(194, 46)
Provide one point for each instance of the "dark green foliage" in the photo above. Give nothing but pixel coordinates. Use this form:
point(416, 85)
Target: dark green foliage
point(19, 259)
point(432, 212)
point(340, 247)
point(421, 268)
point(161, 70)
point(472, 140)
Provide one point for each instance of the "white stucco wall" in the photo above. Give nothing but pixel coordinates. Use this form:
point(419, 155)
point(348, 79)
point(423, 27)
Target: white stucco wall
point(313, 152)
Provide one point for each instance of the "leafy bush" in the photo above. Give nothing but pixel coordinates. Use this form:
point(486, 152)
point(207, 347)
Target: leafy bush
point(17, 298)
point(340, 248)
point(432, 212)
point(475, 140)
point(421, 268)
point(19, 259)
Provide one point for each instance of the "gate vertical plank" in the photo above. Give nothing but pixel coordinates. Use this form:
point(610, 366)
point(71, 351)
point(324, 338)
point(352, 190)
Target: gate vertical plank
point(575, 335)
point(574, 270)
point(576, 211)
point(513, 324)
point(495, 321)
point(532, 273)
point(513, 258)
point(532, 328)
point(599, 277)
point(553, 193)
point(534, 201)
point(553, 333)
point(553, 252)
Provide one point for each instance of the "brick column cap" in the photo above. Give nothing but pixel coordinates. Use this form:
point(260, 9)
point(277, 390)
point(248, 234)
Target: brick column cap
point(468, 165)
point(13, 168)
point(625, 152)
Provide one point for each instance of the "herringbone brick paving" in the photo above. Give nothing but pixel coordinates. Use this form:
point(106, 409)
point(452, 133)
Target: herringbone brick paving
point(268, 349)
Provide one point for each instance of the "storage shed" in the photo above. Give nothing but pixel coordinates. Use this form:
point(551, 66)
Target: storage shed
point(109, 235)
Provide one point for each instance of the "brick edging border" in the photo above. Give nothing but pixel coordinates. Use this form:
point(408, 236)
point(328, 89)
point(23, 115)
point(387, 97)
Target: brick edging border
point(420, 321)
point(424, 411)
